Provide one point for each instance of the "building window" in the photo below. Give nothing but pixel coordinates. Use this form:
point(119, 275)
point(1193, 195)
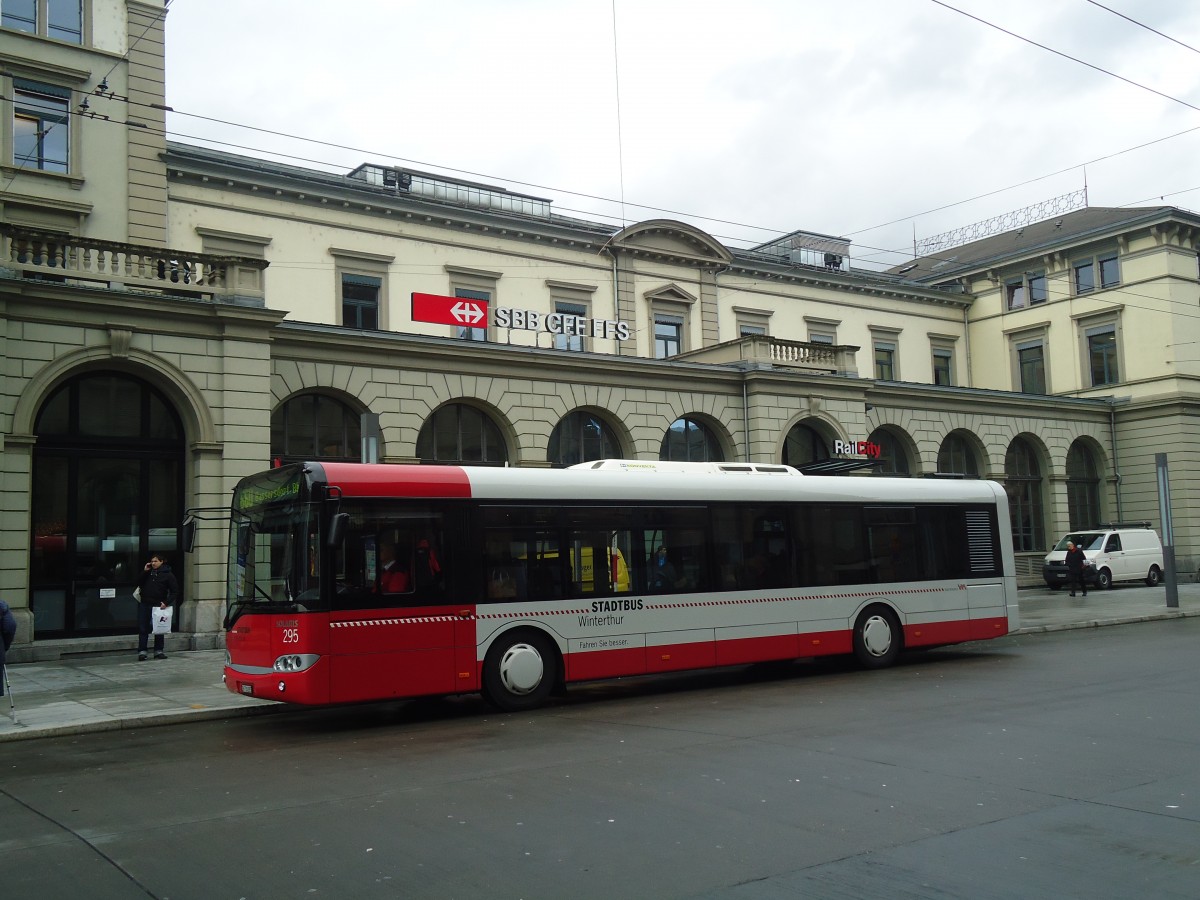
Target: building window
point(884, 345)
point(668, 335)
point(752, 321)
point(688, 440)
point(58, 19)
point(1084, 272)
point(41, 129)
point(1028, 290)
point(1031, 362)
point(581, 437)
point(885, 361)
point(1110, 272)
point(1083, 487)
point(1102, 354)
point(1023, 483)
point(471, 332)
point(943, 367)
point(461, 434)
point(316, 427)
point(571, 335)
point(360, 301)
point(955, 457)
point(822, 331)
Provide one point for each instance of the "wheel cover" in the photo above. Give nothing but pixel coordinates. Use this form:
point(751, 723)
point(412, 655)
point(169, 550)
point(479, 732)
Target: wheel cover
point(521, 669)
point(877, 635)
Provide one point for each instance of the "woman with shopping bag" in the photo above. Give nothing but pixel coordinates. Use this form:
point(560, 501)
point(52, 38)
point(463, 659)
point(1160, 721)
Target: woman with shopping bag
point(158, 593)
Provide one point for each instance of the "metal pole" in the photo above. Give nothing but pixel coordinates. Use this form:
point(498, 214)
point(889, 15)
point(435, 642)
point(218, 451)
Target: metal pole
point(369, 428)
point(1168, 534)
point(12, 706)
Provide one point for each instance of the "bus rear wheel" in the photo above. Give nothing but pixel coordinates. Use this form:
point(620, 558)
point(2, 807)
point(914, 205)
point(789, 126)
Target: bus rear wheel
point(877, 637)
point(520, 671)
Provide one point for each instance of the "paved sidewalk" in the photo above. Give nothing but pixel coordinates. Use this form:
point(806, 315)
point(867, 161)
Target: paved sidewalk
point(116, 691)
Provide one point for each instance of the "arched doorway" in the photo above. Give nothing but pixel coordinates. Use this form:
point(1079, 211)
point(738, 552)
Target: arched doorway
point(690, 440)
point(1083, 487)
point(579, 437)
point(107, 491)
point(315, 427)
point(955, 457)
point(893, 458)
point(460, 434)
point(804, 445)
point(1023, 482)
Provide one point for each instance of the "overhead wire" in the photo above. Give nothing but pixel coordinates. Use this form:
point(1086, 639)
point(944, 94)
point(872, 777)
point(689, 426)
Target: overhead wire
point(1074, 59)
point(335, 168)
point(158, 17)
point(1143, 25)
point(774, 231)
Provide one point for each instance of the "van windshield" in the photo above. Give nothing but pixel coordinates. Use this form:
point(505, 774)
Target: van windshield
point(1087, 540)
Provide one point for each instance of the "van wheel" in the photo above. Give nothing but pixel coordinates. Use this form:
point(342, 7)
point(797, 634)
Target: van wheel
point(1153, 577)
point(877, 638)
point(1104, 579)
point(520, 671)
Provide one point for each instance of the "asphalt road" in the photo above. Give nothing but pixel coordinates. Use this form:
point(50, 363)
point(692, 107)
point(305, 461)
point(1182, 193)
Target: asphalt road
point(1054, 765)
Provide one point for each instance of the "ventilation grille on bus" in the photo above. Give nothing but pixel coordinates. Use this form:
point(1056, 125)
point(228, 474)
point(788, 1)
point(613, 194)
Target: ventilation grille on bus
point(981, 542)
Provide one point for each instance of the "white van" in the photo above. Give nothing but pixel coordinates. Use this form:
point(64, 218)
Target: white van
point(1115, 551)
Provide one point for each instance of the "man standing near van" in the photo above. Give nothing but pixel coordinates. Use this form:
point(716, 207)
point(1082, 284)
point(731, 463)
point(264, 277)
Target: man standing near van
point(1075, 563)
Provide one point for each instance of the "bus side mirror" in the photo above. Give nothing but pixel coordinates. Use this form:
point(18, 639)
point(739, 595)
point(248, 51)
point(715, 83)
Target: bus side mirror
point(190, 526)
point(337, 529)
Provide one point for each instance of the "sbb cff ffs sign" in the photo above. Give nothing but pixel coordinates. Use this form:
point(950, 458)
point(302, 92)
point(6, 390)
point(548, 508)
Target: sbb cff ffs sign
point(440, 310)
point(465, 312)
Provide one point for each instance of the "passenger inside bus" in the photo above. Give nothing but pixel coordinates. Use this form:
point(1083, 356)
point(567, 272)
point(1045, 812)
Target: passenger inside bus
point(393, 577)
point(662, 573)
point(426, 570)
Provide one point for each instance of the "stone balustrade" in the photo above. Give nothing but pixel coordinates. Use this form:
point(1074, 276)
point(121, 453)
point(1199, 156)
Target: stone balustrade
point(766, 350)
point(25, 253)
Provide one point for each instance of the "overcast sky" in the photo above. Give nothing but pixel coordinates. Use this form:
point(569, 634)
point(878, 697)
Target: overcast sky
point(748, 120)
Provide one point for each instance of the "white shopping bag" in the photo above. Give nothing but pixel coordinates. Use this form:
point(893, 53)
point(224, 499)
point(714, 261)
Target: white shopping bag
point(161, 619)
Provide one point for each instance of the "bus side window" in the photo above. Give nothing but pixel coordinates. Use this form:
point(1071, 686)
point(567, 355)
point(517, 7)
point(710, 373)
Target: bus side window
point(504, 574)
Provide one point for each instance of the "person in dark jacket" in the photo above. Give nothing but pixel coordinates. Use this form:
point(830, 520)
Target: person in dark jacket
point(1075, 563)
point(8, 631)
point(159, 589)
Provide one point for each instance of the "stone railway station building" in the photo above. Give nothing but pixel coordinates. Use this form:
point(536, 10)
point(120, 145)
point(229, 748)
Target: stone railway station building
point(175, 318)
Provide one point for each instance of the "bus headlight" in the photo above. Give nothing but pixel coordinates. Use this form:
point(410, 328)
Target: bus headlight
point(295, 662)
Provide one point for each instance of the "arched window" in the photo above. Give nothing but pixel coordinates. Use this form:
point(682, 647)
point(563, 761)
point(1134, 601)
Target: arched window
point(892, 458)
point(955, 457)
point(316, 427)
point(1023, 482)
point(1083, 487)
point(803, 445)
point(688, 440)
point(461, 434)
point(581, 437)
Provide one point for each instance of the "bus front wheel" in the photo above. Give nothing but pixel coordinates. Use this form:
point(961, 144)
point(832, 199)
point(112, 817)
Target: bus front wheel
point(877, 638)
point(520, 671)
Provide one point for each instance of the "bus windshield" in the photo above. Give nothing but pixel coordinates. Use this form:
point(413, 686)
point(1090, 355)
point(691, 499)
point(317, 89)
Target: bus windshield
point(273, 548)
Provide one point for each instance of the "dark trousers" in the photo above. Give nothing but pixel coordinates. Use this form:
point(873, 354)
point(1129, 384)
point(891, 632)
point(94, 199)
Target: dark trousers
point(1076, 578)
point(145, 611)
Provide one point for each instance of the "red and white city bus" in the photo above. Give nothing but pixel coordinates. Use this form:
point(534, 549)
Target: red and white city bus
point(356, 582)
